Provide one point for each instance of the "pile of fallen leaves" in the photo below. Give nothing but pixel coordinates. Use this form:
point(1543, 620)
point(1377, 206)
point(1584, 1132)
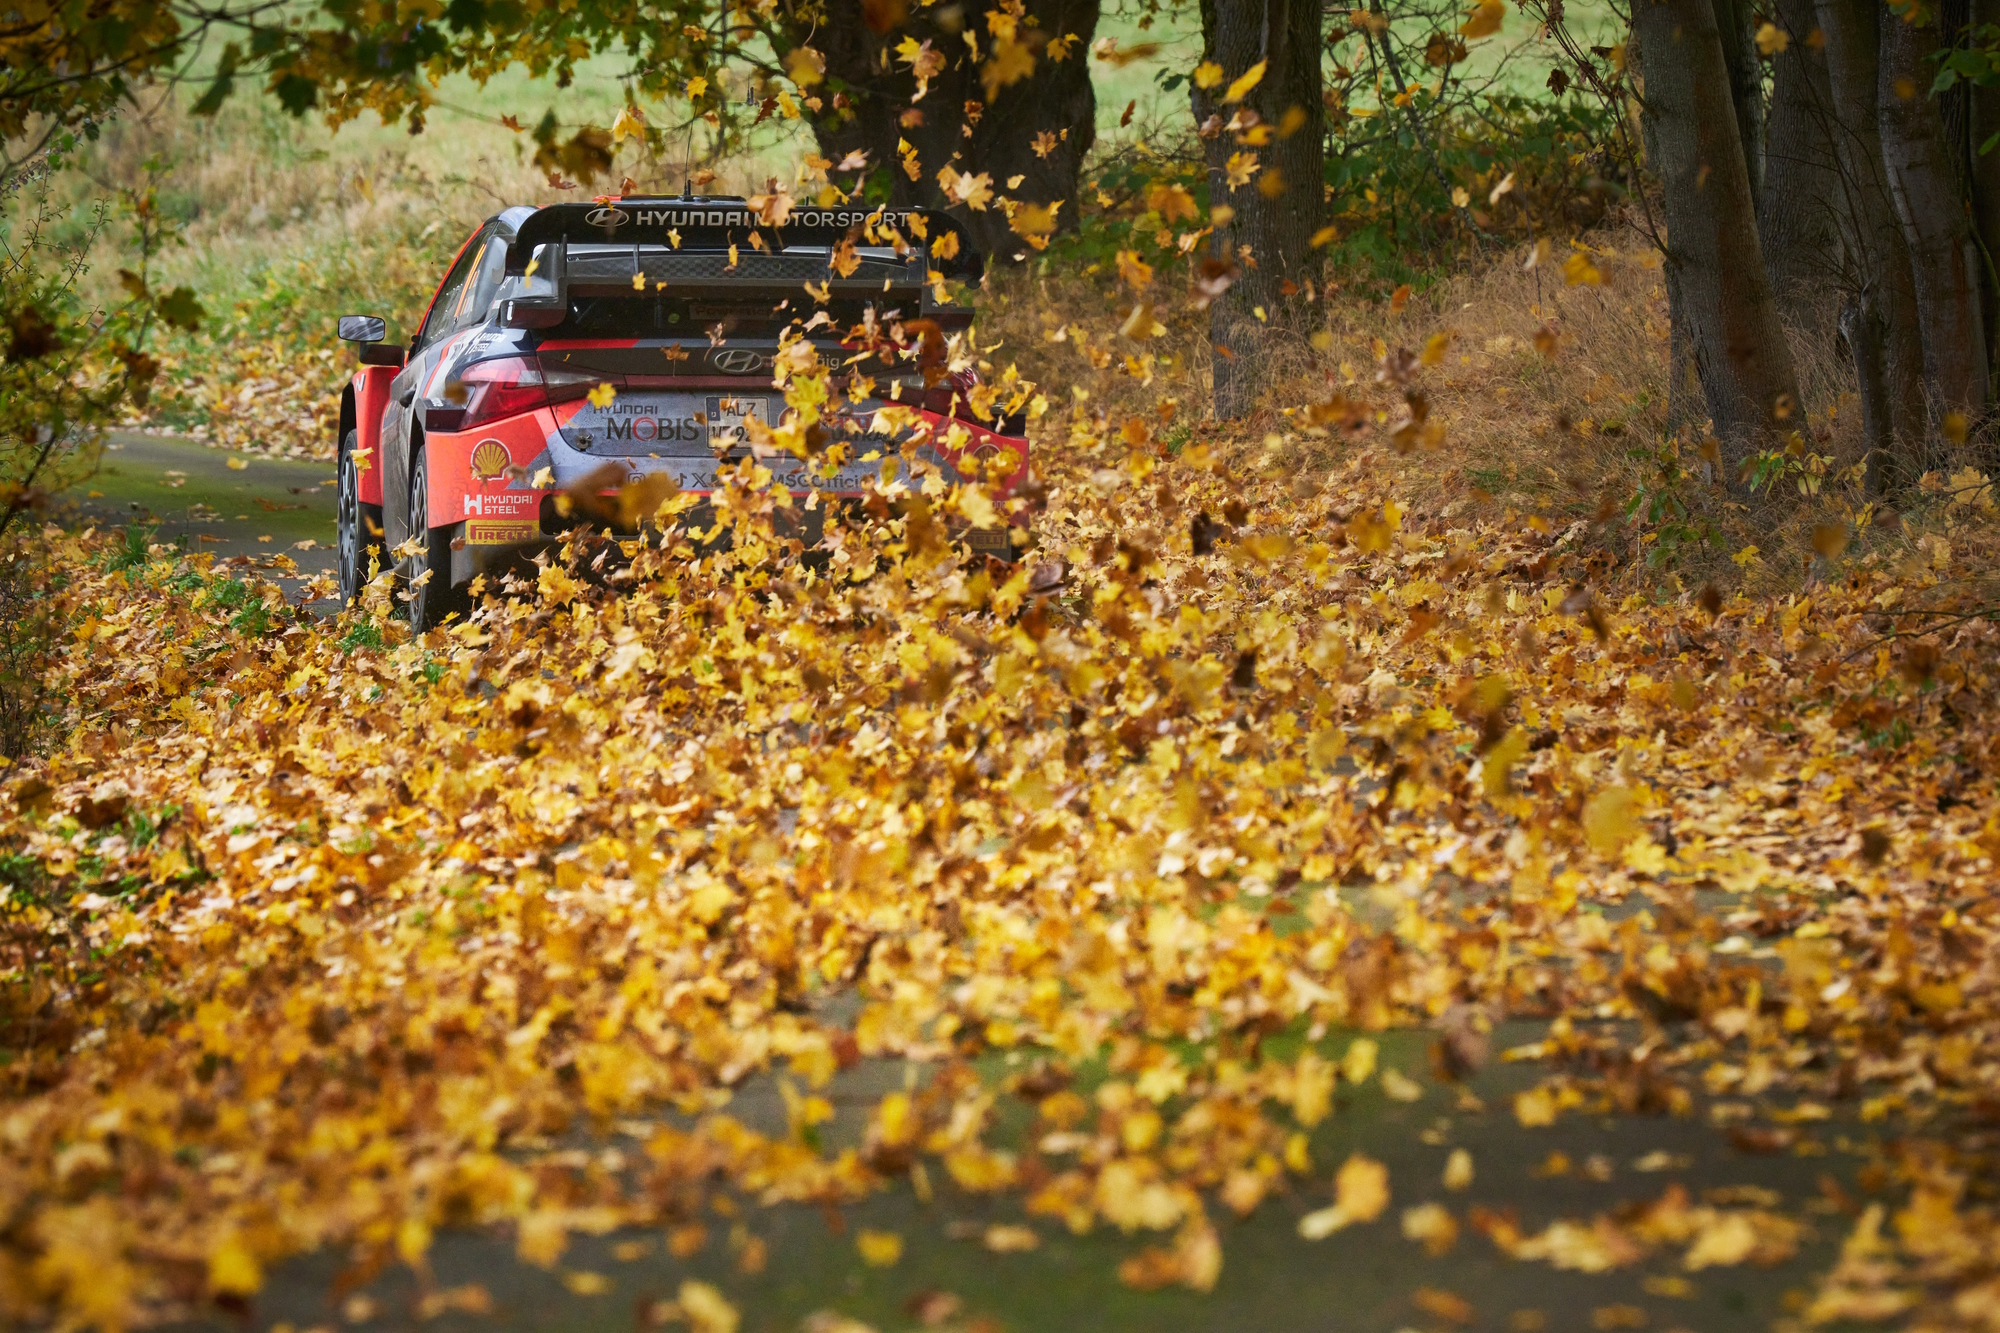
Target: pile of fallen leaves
point(322, 935)
point(273, 397)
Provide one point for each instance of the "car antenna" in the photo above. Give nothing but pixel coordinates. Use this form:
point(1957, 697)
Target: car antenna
point(687, 188)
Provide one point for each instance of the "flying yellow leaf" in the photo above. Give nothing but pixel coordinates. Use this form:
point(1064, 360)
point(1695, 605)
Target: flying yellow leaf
point(1361, 1193)
point(879, 1249)
point(1484, 20)
point(1240, 88)
point(1578, 271)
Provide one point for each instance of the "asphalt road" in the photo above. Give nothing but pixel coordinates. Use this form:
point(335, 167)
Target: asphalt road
point(190, 493)
point(1367, 1279)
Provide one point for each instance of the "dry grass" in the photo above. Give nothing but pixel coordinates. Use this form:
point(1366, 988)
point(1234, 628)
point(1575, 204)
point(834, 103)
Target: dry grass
point(286, 225)
point(1553, 435)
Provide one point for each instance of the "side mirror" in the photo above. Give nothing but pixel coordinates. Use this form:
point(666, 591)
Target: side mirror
point(362, 329)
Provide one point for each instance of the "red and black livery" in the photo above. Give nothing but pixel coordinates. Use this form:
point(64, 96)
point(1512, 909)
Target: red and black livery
point(463, 438)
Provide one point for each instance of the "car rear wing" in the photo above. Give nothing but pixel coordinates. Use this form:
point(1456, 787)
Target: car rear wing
point(715, 225)
point(598, 248)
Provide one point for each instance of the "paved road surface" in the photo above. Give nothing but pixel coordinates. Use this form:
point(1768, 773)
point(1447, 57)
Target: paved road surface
point(267, 507)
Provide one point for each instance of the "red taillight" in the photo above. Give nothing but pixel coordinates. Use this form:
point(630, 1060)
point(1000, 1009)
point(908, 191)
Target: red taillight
point(510, 385)
point(502, 388)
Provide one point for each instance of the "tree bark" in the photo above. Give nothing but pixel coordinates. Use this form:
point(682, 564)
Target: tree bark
point(1884, 284)
point(1924, 186)
point(1053, 110)
point(1746, 369)
point(1684, 406)
point(1798, 213)
point(1983, 177)
point(1736, 26)
point(1278, 210)
point(1861, 329)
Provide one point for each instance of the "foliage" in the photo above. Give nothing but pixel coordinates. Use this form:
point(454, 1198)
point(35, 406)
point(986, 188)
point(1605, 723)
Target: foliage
point(1416, 182)
point(64, 70)
point(31, 622)
point(1249, 747)
point(71, 366)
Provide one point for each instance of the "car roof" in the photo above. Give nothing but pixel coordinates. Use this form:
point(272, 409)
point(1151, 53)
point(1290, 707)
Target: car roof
point(508, 221)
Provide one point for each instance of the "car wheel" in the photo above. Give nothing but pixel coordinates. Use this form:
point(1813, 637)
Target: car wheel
point(432, 598)
point(358, 528)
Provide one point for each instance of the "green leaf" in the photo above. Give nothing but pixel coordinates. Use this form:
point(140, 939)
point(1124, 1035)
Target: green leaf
point(180, 309)
point(296, 93)
point(224, 83)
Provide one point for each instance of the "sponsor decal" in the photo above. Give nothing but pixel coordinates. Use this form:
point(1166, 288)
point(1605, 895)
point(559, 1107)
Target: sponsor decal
point(500, 532)
point(717, 420)
point(489, 459)
point(503, 505)
point(737, 360)
point(699, 475)
point(695, 216)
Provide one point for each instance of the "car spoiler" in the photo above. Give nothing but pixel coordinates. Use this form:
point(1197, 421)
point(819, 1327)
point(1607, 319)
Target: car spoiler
point(716, 224)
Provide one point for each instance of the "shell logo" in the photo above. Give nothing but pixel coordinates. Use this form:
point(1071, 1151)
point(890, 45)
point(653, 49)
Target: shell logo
point(489, 459)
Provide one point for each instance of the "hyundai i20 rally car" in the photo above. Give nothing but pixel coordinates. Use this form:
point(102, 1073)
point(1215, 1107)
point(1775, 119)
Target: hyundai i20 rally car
point(591, 345)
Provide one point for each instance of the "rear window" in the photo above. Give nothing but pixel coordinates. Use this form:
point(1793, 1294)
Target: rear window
point(665, 315)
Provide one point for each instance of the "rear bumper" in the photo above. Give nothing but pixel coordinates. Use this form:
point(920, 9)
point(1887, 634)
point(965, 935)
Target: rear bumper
point(517, 555)
point(496, 479)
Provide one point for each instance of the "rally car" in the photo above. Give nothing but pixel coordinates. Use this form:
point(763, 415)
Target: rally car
point(581, 345)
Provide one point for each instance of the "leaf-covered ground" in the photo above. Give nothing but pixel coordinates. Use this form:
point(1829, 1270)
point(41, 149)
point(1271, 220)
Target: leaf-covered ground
point(677, 891)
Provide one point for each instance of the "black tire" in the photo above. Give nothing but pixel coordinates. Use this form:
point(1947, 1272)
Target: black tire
point(433, 598)
point(358, 528)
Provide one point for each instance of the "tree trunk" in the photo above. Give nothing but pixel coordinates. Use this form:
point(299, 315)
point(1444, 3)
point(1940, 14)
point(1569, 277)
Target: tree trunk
point(1683, 380)
point(1280, 207)
point(1684, 407)
point(1983, 179)
point(1983, 176)
point(1861, 329)
point(1039, 128)
point(1736, 26)
point(1883, 284)
point(1931, 207)
point(1739, 345)
point(1798, 214)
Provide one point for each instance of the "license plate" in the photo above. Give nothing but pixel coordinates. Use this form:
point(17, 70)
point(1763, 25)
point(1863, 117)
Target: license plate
point(728, 418)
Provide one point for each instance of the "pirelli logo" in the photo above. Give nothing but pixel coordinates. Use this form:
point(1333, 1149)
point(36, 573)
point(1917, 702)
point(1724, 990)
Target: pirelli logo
point(500, 531)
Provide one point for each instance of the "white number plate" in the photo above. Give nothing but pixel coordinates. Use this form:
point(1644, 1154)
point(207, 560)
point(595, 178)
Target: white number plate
point(728, 415)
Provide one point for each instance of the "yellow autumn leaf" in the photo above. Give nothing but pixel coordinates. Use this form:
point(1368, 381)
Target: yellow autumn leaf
point(879, 1249)
point(1484, 20)
point(1240, 87)
point(1578, 271)
point(1610, 820)
point(1361, 1193)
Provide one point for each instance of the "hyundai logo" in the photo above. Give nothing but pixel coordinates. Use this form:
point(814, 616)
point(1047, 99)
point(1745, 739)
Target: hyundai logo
point(737, 361)
point(607, 217)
